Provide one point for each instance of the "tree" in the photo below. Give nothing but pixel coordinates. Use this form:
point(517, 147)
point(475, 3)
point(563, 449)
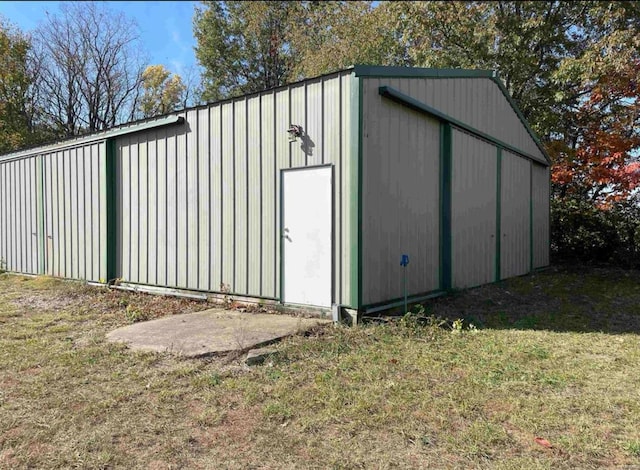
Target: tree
point(524, 41)
point(91, 70)
point(332, 35)
point(19, 114)
point(162, 91)
point(571, 67)
point(242, 46)
point(600, 163)
point(250, 46)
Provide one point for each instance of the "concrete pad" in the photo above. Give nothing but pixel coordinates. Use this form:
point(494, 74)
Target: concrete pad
point(208, 332)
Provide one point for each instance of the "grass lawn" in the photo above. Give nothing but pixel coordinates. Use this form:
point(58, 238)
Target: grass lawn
point(555, 356)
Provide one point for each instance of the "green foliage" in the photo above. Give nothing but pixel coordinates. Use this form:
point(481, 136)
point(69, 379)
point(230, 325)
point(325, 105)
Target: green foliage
point(162, 92)
point(545, 52)
point(582, 231)
point(134, 315)
point(243, 46)
point(328, 36)
point(633, 448)
point(17, 125)
point(250, 46)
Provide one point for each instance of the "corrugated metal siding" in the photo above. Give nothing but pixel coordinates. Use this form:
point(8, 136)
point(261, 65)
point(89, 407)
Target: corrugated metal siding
point(540, 200)
point(400, 197)
point(473, 210)
point(74, 201)
point(515, 216)
point(477, 102)
point(19, 246)
point(216, 179)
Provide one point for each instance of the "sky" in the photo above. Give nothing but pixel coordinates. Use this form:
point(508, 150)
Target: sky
point(165, 27)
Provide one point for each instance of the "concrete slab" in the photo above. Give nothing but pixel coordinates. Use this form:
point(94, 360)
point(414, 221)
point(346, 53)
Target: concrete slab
point(209, 332)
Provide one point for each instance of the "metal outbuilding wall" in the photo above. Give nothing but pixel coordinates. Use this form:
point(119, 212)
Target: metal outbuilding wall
point(472, 168)
point(201, 202)
point(74, 212)
point(478, 102)
point(399, 199)
point(515, 211)
point(19, 217)
point(540, 213)
point(439, 165)
point(473, 211)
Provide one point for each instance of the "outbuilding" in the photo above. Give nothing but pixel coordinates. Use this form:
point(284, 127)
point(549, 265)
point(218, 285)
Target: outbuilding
point(307, 194)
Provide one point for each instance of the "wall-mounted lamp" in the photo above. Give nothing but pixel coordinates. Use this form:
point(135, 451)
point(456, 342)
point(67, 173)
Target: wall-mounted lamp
point(294, 132)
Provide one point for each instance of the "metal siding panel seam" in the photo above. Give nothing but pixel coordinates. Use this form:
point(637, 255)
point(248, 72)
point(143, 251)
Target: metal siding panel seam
point(268, 197)
point(171, 224)
point(162, 179)
point(240, 197)
point(254, 204)
point(82, 258)
point(215, 198)
point(143, 202)
point(204, 184)
point(135, 213)
point(193, 209)
point(152, 208)
point(67, 182)
point(182, 213)
point(228, 190)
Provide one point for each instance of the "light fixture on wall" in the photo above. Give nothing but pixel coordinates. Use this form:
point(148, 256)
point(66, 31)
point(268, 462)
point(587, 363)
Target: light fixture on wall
point(294, 132)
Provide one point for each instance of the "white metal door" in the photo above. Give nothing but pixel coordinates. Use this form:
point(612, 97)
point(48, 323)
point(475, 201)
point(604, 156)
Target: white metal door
point(307, 236)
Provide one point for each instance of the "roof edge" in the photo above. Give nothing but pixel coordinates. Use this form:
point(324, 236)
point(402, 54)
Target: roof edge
point(406, 100)
point(128, 128)
point(418, 72)
point(496, 79)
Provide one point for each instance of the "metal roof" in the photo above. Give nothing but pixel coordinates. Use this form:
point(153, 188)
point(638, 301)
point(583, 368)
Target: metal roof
point(358, 70)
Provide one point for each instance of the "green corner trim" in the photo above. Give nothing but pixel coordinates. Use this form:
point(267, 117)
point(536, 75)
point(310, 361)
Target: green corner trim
point(498, 275)
point(280, 230)
point(42, 236)
point(111, 209)
point(446, 171)
point(355, 173)
point(412, 103)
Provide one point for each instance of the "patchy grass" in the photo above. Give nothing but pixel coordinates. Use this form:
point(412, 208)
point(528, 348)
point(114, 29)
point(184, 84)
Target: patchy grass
point(554, 358)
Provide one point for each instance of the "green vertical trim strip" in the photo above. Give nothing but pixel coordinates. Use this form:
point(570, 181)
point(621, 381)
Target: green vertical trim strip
point(498, 275)
point(445, 206)
point(280, 230)
point(548, 170)
point(531, 216)
point(40, 201)
point(355, 203)
point(111, 209)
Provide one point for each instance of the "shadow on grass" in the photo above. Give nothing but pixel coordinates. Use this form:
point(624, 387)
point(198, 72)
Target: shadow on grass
point(562, 298)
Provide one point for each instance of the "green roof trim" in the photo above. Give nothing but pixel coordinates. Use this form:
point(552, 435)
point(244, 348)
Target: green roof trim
point(495, 79)
point(416, 72)
point(128, 128)
point(406, 100)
